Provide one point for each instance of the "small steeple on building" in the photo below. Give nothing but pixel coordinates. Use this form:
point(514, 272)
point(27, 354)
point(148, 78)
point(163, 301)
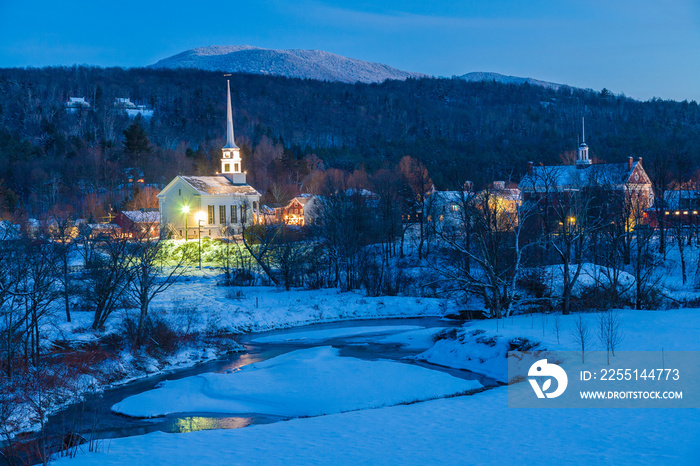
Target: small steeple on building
point(582, 160)
point(215, 205)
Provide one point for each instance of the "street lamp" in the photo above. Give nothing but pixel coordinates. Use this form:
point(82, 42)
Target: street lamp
point(200, 216)
point(185, 211)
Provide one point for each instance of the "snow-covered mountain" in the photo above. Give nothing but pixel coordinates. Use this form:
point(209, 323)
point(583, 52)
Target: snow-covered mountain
point(307, 64)
point(500, 78)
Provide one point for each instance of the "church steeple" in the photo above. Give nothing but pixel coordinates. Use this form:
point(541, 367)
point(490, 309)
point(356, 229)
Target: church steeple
point(230, 143)
point(582, 160)
point(231, 154)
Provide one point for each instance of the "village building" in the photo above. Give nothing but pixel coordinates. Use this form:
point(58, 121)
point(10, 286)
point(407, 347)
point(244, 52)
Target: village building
point(628, 182)
point(76, 103)
point(132, 110)
point(139, 223)
point(215, 205)
point(302, 210)
point(677, 206)
point(445, 209)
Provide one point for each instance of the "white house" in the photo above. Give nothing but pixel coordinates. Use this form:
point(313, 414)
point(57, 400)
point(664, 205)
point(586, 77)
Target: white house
point(131, 109)
point(213, 205)
point(76, 103)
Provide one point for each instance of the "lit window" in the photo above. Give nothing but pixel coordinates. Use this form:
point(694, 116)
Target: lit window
point(227, 167)
point(210, 216)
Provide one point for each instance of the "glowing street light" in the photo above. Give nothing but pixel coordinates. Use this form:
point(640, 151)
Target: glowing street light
point(185, 211)
point(200, 216)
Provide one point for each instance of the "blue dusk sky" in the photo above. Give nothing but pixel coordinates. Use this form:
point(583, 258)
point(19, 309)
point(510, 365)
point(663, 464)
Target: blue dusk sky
point(642, 48)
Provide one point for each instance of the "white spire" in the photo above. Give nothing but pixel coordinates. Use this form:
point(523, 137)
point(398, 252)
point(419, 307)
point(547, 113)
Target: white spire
point(230, 143)
point(582, 160)
point(231, 163)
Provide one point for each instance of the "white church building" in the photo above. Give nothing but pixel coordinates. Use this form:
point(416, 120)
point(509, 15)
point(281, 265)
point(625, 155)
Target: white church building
point(215, 205)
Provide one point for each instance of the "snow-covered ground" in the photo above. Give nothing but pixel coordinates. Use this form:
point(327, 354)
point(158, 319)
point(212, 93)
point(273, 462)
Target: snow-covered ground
point(480, 347)
point(478, 429)
point(475, 429)
point(307, 382)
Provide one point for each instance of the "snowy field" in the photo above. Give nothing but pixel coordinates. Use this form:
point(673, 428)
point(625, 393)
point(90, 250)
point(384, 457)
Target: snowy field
point(479, 347)
point(476, 429)
point(255, 309)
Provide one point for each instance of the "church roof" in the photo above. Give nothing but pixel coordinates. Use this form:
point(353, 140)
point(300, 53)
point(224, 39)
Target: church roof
point(218, 185)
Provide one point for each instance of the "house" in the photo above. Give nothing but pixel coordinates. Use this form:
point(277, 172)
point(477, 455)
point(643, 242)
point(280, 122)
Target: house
point(102, 231)
point(139, 223)
point(445, 209)
point(214, 205)
point(76, 103)
point(132, 109)
point(302, 210)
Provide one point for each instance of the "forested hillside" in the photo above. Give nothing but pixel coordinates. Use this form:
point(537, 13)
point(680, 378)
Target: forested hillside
point(287, 128)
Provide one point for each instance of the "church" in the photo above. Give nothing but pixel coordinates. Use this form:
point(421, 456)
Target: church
point(627, 178)
point(214, 205)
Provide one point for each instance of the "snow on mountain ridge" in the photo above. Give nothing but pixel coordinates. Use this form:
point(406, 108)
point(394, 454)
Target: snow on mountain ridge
point(294, 63)
point(501, 78)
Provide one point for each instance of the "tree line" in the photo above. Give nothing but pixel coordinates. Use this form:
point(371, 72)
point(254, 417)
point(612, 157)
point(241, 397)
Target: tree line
point(288, 128)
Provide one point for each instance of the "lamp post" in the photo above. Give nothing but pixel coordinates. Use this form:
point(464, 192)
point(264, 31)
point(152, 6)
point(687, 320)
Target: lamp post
point(185, 211)
point(200, 216)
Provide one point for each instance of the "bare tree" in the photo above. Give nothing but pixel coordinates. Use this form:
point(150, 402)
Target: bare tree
point(108, 277)
point(148, 278)
point(418, 179)
point(38, 287)
point(289, 253)
point(259, 241)
point(609, 331)
point(61, 231)
point(581, 336)
point(569, 213)
point(231, 257)
point(482, 237)
point(13, 312)
point(557, 326)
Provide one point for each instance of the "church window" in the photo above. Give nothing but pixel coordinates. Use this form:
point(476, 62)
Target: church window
point(234, 216)
point(210, 211)
point(227, 167)
point(235, 168)
point(179, 192)
point(222, 214)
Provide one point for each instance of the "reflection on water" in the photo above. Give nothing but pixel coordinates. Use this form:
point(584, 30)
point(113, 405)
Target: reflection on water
point(194, 423)
point(243, 360)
